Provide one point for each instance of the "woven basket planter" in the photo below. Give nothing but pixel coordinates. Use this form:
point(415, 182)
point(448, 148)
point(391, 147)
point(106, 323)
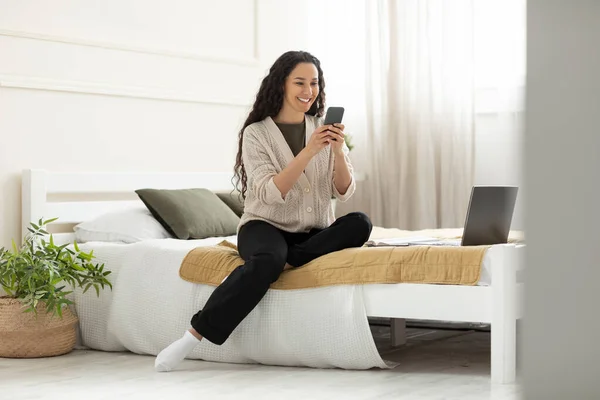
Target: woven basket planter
point(25, 335)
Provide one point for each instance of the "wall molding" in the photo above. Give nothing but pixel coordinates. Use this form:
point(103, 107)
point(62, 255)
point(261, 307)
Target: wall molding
point(486, 102)
point(136, 92)
point(243, 61)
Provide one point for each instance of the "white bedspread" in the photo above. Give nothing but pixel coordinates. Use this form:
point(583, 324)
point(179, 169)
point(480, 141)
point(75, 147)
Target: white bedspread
point(151, 306)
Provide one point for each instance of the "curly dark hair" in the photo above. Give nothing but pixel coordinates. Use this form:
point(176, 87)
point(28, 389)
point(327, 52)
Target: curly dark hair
point(269, 101)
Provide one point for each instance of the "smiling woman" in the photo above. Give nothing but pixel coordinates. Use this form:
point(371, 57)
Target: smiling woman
point(290, 166)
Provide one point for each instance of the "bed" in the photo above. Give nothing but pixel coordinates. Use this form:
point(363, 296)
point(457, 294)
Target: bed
point(79, 196)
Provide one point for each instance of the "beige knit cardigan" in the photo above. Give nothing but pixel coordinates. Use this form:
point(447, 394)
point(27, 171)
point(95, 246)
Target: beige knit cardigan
point(307, 205)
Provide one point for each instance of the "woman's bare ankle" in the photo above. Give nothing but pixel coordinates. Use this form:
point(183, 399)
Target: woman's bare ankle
point(195, 333)
point(287, 266)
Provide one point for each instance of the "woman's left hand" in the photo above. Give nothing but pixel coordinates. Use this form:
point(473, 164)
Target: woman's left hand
point(336, 132)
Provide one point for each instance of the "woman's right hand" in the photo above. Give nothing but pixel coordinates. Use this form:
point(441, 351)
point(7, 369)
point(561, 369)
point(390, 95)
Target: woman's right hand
point(319, 139)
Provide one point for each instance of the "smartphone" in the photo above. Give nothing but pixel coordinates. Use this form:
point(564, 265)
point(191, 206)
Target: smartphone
point(334, 115)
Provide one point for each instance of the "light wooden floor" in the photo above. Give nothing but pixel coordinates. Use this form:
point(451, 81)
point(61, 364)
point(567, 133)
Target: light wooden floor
point(434, 365)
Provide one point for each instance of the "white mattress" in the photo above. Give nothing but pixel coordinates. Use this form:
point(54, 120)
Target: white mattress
point(485, 278)
point(151, 306)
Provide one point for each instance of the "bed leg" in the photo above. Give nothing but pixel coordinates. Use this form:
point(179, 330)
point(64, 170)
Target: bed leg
point(398, 331)
point(504, 314)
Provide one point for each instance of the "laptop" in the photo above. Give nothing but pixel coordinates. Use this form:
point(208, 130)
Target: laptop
point(488, 220)
point(489, 215)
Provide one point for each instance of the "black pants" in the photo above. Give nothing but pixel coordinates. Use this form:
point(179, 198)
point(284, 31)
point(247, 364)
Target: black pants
point(265, 250)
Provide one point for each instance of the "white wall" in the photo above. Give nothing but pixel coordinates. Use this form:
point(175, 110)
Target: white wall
point(561, 329)
point(130, 85)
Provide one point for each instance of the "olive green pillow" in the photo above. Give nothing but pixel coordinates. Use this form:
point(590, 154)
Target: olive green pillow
point(190, 213)
point(234, 200)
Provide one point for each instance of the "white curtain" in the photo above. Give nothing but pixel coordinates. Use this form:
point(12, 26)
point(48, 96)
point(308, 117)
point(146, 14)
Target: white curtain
point(419, 109)
point(500, 70)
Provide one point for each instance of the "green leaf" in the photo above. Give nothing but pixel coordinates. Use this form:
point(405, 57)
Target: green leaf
point(86, 287)
point(65, 301)
point(78, 267)
point(51, 220)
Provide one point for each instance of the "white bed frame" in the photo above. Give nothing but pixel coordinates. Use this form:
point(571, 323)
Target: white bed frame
point(498, 304)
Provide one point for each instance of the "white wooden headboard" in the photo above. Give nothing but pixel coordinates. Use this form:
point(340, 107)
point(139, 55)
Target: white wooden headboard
point(70, 196)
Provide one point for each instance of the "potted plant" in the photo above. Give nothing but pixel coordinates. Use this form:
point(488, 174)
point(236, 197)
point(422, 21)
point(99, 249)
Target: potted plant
point(35, 318)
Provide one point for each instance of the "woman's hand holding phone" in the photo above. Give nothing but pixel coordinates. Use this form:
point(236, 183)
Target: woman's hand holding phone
point(333, 121)
point(319, 139)
point(324, 136)
point(336, 133)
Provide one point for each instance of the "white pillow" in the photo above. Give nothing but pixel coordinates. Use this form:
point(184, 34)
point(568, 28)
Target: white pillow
point(129, 226)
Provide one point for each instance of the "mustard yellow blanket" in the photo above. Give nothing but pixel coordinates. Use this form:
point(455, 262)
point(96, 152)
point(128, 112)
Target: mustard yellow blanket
point(414, 264)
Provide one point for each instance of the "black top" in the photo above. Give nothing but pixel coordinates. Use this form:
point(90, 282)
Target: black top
point(295, 135)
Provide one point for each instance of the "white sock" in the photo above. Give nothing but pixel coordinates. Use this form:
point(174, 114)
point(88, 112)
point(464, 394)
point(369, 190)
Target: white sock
point(175, 353)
